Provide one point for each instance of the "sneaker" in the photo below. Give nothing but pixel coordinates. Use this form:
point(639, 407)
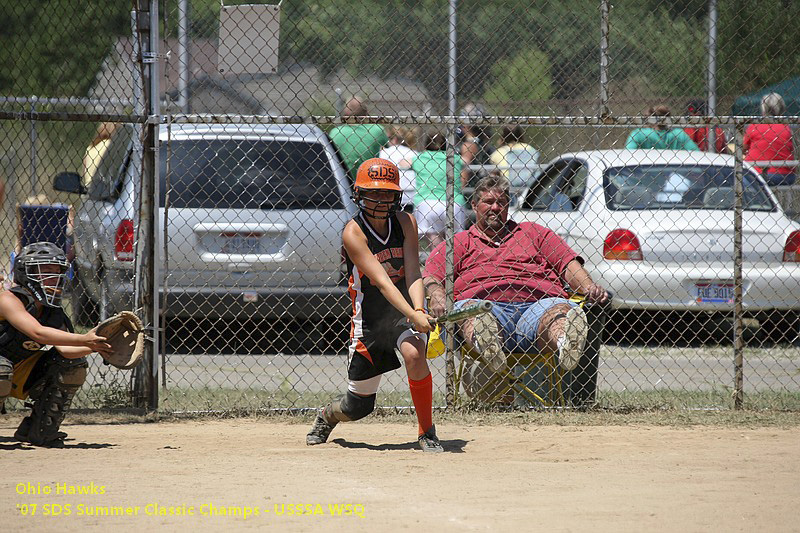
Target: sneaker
point(571, 344)
point(429, 442)
point(486, 339)
point(320, 431)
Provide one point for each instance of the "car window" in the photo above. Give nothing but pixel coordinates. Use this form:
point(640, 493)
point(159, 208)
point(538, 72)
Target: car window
point(559, 188)
point(680, 187)
point(573, 184)
point(105, 183)
point(249, 174)
point(541, 193)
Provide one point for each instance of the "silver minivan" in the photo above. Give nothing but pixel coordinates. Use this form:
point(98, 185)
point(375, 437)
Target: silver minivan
point(254, 215)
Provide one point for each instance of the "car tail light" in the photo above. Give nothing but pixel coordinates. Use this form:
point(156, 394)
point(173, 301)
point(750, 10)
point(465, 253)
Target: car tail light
point(791, 252)
point(123, 242)
point(622, 244)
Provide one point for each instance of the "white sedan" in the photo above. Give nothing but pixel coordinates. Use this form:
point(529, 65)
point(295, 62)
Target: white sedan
point(656, 228)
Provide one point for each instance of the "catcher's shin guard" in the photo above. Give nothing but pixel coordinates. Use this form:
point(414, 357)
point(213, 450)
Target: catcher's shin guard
point(6, 373)
point(63, 377)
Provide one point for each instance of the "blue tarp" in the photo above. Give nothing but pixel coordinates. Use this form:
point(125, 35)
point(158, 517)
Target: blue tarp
point(750, 104)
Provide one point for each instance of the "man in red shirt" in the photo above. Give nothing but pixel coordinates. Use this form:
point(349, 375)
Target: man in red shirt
point(522, 269)
point(697, 108)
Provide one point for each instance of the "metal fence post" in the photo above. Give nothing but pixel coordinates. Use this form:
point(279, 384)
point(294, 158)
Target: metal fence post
point(34, 179)
point(452, 71)
point(712, 71)
point(738, 332)
point(449, 259)
point(604, 15)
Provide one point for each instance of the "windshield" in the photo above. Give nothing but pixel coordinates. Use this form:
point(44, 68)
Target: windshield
point(680, 187)
point(247, 174)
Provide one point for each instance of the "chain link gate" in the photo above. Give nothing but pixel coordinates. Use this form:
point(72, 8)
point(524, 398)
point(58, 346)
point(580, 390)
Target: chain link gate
point(257, 147)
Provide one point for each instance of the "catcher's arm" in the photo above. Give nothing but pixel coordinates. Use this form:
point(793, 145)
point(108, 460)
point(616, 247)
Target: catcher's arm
point(14, 312)
point(97, 345)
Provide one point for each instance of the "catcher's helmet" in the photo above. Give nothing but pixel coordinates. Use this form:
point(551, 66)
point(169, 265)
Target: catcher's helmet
point(46, 285)
point(378, 174)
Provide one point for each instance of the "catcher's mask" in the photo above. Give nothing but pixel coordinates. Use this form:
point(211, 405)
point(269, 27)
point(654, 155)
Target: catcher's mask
point(379, 175)
point(41, 268)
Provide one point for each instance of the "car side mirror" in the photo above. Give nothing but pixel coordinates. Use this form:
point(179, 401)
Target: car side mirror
point(69, 182)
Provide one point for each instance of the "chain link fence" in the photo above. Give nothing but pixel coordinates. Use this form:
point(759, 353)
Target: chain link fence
point(639, 135)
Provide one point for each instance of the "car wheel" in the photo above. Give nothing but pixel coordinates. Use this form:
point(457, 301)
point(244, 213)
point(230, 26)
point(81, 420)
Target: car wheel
point(84, 310)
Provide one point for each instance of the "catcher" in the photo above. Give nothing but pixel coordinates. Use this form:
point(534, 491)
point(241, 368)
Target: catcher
point(40, 355)
point(382, 252)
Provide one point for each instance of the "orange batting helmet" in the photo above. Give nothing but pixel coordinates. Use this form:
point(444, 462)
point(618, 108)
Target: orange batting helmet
point(378, 174)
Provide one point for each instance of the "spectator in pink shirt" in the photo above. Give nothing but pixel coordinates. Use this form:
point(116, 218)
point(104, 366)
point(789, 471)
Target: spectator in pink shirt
point(771, 142)
point(522, 269)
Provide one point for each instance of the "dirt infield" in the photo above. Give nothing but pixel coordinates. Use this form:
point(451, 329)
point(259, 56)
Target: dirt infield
point(208, 474)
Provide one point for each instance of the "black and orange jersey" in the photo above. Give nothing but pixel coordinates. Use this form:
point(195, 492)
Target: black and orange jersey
point(371, 311)
point(374, 319)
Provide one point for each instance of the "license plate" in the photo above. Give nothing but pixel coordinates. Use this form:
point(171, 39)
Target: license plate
point(714, 293)
point(240, 243)
point(250, 296)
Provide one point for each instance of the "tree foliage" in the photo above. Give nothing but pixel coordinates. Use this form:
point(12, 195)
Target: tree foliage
point(56, 47)
point(758, 43)
point(521, 78)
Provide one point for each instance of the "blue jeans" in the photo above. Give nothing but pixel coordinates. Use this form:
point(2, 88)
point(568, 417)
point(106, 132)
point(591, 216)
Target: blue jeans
point(778, 179)
point(520, 320)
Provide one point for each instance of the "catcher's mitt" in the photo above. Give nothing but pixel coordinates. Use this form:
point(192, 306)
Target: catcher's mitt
point(125, 333)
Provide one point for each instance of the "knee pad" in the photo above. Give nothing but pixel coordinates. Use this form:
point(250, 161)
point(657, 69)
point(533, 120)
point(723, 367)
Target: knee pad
point(69, 374)
point(74, 377)
point(353, 407)
point(6, 373)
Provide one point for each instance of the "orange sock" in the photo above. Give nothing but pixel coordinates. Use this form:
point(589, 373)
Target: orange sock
point(422, 396)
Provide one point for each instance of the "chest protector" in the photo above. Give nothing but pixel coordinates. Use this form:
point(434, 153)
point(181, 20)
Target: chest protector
point(17, 346)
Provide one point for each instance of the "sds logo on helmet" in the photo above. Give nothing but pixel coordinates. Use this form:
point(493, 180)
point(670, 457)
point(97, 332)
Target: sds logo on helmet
point(377, 174)
point(383, 172)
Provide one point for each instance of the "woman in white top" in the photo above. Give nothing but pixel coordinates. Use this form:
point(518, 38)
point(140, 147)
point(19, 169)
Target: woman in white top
point(401, 152)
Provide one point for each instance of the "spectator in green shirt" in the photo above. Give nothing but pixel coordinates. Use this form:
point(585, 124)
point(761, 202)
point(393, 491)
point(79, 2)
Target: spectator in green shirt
point(660, 137)
point(356, 143)
point(430, 201)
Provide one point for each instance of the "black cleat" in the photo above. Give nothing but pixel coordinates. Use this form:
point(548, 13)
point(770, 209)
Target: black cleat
point(22, 434)
point(429, 442)
point(320, 431)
